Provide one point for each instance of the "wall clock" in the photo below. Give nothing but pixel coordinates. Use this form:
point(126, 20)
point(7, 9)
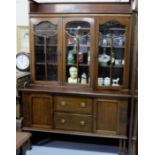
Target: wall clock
point(22, 61)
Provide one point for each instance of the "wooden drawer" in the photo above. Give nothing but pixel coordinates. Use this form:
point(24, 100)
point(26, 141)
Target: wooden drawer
point(73, 122)
point(73, 104)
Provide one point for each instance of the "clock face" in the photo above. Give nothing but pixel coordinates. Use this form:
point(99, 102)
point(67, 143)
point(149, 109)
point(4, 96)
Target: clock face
point(22, 61)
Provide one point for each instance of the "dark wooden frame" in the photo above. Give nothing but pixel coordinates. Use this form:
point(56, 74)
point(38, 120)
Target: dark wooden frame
point(91, 66)
point(35, 21)
point(124, 20)
point(63, 19)
point(133, 126)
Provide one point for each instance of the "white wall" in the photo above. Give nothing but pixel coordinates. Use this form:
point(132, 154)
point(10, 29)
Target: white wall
point(22, 12)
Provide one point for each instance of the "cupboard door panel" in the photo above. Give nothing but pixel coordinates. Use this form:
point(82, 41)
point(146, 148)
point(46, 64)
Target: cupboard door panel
point(39, 109)
point(111, 117)
point(107, 112)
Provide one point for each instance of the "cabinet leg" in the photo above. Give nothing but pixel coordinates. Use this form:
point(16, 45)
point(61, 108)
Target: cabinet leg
point(122, 147)
point(26, 146)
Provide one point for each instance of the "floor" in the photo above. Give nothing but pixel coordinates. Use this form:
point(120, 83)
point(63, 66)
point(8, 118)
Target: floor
point(57, 147)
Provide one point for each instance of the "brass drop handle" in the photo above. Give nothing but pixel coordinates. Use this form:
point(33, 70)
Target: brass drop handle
point(82, 123)
point(63, 103)
point(83, 105)
point(63, 121)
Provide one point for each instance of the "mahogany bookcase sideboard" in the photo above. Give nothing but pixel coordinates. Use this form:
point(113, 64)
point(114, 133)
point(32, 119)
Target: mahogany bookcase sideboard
point(94, 40)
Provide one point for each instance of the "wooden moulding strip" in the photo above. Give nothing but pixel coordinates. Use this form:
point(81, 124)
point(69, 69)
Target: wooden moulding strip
point(82, 8)
point(74, 133)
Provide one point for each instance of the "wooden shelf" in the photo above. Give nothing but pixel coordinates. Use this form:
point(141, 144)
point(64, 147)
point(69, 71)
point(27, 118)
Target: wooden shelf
point(52, 63)
point(39, 45)
point(45, 30)
point(84, 45)
point(71, 64)
point(118, 46)
point(105, 46)
point(114, 29)
point(40, 63)
point(51, 45)
point(84, 65)
point(111, 46)
point(81, 65)
point(48, 63)
point(73, 28)
point(118, 66)
point(107, 66)
point(71, 45)
point(110, 87)
point(74, 133)
point(46, 45)
point(81, 45)
point(111, 36)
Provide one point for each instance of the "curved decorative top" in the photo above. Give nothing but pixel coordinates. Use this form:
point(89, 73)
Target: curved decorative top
point(46, 29)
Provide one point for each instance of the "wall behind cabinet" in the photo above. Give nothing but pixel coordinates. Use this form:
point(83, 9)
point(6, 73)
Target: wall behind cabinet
point(22, 12)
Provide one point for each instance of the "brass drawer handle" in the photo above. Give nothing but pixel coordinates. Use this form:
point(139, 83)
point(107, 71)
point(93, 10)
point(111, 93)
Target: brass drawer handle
point(83, 105)
point(63, 103)
point(63, 121)
point(82, 123)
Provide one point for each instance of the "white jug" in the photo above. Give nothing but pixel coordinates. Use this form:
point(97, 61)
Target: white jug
point(106, 81)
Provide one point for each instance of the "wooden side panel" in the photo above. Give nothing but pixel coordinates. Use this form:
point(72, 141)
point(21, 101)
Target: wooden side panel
point(123, 117)
point(26, 110)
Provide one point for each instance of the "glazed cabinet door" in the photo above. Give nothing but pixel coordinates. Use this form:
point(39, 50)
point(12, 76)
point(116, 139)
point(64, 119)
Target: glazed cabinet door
point(111, 117)
point(113, 51)
point(37, 110)
point(78, 49)
point(46, 44)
